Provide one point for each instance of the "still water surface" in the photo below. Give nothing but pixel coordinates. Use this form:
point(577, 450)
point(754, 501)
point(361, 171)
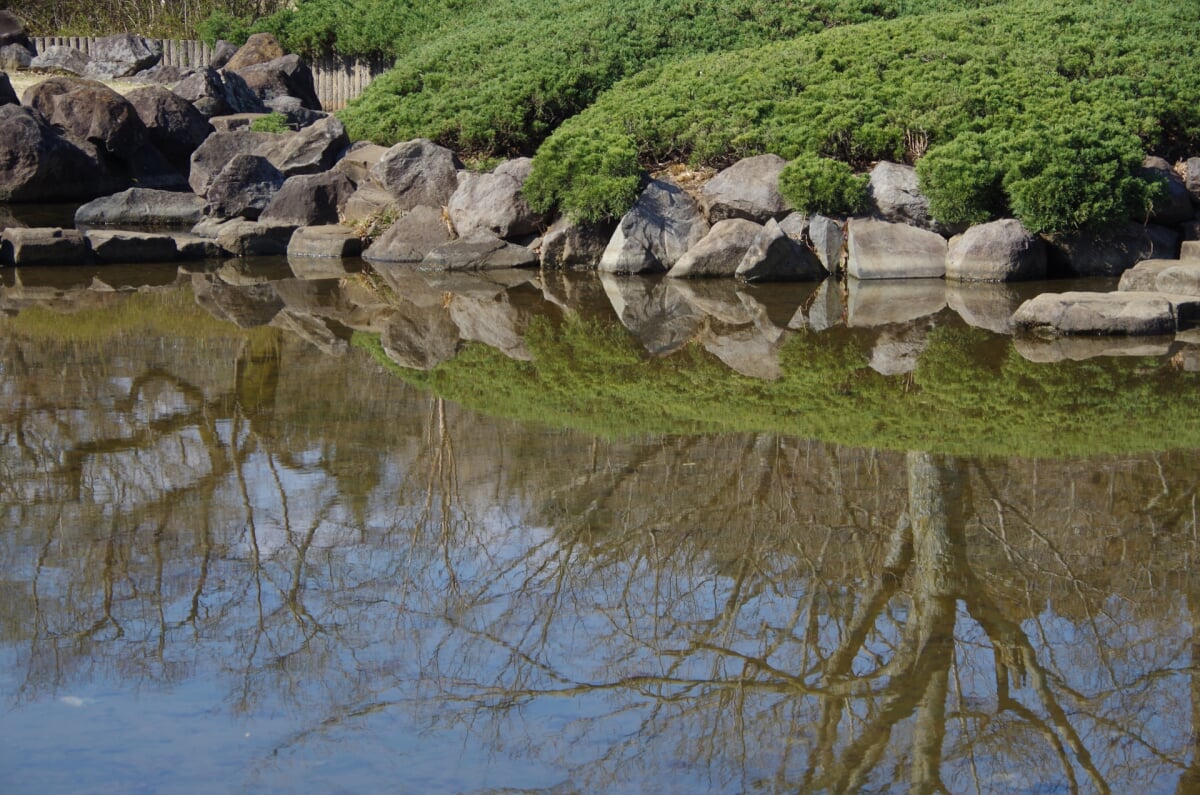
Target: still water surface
point(238, 557)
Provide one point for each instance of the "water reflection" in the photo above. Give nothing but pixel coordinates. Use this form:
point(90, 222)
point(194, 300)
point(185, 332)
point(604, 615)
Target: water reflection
point(214, 529)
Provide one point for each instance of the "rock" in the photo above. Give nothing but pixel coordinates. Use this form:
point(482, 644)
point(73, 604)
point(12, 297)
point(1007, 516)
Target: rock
point(142, 207)
point(109, 245)
point(662, 225)
point(313, 330)
point(883, 250)
point(745, 350)
point(1191, 179)
point(828, 242)
point(371, 202)
point(12, 31)
point(222, 52)
point(123, 55)
point(358, 159)
point(243, 188)
point(1120, 313)
point(317, 266)
point(479, 252)
point(717, 299)
point(57, 58)
point(93, 112)
point(1000, 251)
point(774, 256)
point(569, 244)
point(720, 251)
point(658, 316)
point(1189, 250)
point(219, 148)
point(194, 247)
point(1141, 278)
point(1180, 279)
point(234, 121)
point(331, 240)
point(984, 305)
point(896, 196)
point(883, 302)
point(311, 150)
point(1174, 206)
point(164, 75)
point(37, 164)
point(310, 199)
point(286, 76)
point(417, 233)
point(242, 238)
point(748, 189)
point(492, 203)
point(827, 309)
point(418, 173)
point(42, 246)
point(15, 57)
point(298, 116)
point(8, 96)
point(259, 48)
point(420, 338)
point(1110, 252)
point(1077, 349)
point(218, 93)
point(172, 123)
point(246, 306)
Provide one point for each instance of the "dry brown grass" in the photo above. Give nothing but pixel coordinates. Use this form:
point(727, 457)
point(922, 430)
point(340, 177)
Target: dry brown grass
point(24, 79)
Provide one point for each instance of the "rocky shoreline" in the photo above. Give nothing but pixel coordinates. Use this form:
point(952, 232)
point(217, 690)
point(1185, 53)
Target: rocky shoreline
point(173, 172)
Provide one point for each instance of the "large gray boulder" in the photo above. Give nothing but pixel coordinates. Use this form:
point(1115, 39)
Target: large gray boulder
point(493, 203)
point(418, 172)
point(478, 253)
point(221, 147)
point(828, 238)
point(1174, 205)
point(358, 159)
point(243, 188)
point(774, 256)
point(57, 58)
point(371, 203)
point(571, 244)
point(662, 225)
point(42, 246)
point(1142, 278)
point(748, 189)
point(122, 55)
point(240, 237)
point(1181, 279)
point(311, 199)
point(883, 250)
point(1120, 313)
point(896, 196)
point(218, 93)
point(286, 76)
point(1108, 252)
point(38, 164)
point(1000, 251)
point(325, 241)
point(409, 239)
point(142, 207)
point(719, 252)
point(311, 150)
point(173, 124)
point(15, 57)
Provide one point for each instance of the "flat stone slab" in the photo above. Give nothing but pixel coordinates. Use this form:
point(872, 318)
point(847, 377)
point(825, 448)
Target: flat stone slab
point(883, 250)
point(332, 240)
point(142, 207)
point(118, 245)
point(42, 246)
point(481, 252)
point(1119, 313)
point(1141, 278)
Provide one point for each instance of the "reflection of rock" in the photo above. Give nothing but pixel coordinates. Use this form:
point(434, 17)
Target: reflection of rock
point(826, 309)
point(1077, 349)
point(717, 299)
point(577, 293)
point(348, 302)
point(495, 322)
point(313, 330)
point(879, 302)
point(246, 307)
point(746, 350)
point(986, 306)
point(420, 337)
point(777, 305)
point(898, 351)
point(660, 318)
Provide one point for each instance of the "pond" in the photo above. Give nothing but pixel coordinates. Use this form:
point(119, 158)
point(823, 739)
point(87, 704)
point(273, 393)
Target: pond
point(322, 528)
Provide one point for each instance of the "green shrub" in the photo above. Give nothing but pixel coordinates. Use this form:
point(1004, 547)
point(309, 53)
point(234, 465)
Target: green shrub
point(271, 123)
point(963, 180)
point(814, 184)
point(222, 25)
point(589, 178)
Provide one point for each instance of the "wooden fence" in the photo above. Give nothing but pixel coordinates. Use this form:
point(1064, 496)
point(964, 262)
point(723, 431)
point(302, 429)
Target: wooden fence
point(337, 80)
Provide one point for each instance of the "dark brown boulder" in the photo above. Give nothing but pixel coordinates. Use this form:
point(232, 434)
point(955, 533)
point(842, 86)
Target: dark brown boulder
point(259, 48)
point(100, 115)
point(287, 76)
point(37, 163)
point(173, 124)
point(219, 148)
point(218, 93)
point(243, 188)
point(311, 199)
point(41, 95)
